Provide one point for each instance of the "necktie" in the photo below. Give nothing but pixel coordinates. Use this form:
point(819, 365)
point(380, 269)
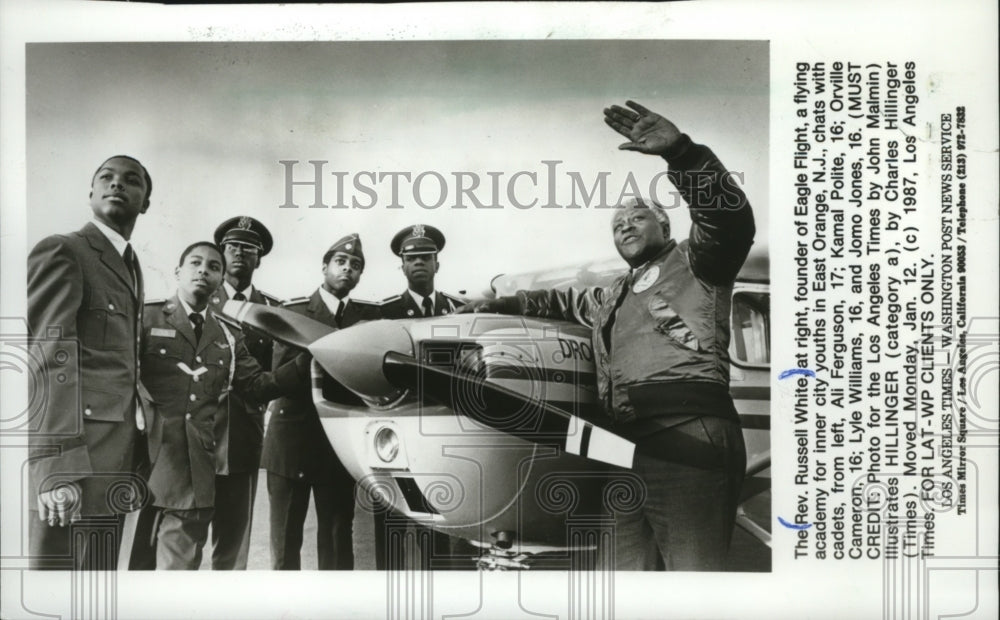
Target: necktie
point(128, 256)
point(339, 316)
point(239, 296)
point(428, 306)
point(198, 322)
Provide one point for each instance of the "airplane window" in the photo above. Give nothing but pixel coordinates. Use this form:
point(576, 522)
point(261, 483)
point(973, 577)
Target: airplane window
point(751, 328)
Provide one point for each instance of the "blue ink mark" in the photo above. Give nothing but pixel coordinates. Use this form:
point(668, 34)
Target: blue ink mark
point(793, 526)
point(805, 372)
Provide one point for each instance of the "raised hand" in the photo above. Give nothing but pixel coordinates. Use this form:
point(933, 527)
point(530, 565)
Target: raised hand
point(648, 132)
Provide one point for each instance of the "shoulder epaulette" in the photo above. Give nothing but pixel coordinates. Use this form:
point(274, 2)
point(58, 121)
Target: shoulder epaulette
point(365, 302)
point(456, 298)
point(272, 300)
point(154, 302)
point(294, 301)
point(389, 300)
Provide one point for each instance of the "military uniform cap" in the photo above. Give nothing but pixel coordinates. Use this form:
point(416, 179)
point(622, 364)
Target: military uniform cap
point(247, 230)
point(419, 239)
point(351, 245)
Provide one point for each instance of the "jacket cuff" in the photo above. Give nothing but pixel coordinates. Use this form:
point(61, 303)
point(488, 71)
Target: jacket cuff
point(510, 304)
point(48, 472)
point(679, 152)
point(292, 373)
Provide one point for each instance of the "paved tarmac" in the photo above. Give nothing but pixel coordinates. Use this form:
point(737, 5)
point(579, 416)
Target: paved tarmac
point(746, 552)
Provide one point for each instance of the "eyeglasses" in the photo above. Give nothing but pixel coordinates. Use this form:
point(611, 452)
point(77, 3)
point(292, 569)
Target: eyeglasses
point(232, 248)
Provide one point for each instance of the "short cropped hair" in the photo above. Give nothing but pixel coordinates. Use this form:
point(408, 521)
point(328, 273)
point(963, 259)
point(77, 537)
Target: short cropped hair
point(198, 244)
point(145, 173)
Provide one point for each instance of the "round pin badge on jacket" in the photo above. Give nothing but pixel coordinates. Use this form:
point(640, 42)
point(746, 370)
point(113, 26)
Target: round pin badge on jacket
point(647, 279)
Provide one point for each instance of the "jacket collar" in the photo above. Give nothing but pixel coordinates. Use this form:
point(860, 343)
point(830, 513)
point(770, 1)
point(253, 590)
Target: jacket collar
point(317, 308)
point(176, 316)
point(228, 289)
point(667, 249)
point(110, 255)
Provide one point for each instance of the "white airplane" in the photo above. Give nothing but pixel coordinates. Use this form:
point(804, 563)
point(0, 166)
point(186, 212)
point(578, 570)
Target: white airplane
point(487, 427)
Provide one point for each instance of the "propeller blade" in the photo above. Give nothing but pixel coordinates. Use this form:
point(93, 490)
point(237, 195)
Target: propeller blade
point(283, 325)
point(508, 411)
point(467, 389)
point(376, 361)
point(354, 356)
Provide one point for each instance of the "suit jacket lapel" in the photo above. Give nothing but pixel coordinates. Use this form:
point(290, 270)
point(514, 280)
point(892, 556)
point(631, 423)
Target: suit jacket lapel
point(257, 297)
point(109, 255)
point(140, 288)
point(176, 317)
point(210, 332)
point(351, 313)
point(441, 305)
point(319, 311)
point(410, 305)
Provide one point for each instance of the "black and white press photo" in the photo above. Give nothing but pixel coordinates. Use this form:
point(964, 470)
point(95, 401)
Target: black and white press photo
point(324, 178)
point(369, 316)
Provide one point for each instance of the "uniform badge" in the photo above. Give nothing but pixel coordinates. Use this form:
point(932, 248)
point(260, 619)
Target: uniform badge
point(244, 223)
point(409, 313)
point(646, 280)
point(349, 246)
point(194, 374)
point(216, 300)
point(418, 231)
point(163, 333)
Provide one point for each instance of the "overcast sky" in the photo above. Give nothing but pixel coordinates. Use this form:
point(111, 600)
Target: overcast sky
point(211, 121)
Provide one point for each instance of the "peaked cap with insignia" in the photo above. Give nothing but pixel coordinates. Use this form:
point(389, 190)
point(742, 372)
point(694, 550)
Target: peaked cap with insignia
point(419, 239)
point(247, 230)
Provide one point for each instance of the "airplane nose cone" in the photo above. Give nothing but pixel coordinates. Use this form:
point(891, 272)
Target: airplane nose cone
point(354, 356)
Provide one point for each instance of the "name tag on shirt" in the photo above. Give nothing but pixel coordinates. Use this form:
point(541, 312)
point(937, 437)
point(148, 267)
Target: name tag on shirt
point(165, 333)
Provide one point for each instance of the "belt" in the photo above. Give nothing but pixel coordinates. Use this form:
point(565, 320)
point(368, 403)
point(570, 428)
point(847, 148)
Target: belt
point(652, 399)
point(661, 438)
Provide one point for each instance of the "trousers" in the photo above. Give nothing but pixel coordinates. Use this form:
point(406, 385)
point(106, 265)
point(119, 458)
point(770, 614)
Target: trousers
point(686, 521)
point(234, 497)
point(289, 498)
point(180, 538)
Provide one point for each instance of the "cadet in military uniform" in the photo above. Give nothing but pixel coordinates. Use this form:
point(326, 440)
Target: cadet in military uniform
point(239, 438)
point(190, 361)
point(87, 287)
point(418, 247)
point(297, 454)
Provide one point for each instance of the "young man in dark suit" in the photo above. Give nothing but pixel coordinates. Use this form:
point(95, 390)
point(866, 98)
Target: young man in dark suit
point(297, 454)
point(86, 446)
